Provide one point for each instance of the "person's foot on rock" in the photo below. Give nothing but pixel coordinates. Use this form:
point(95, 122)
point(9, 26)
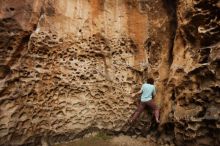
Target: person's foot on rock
point(130, 121)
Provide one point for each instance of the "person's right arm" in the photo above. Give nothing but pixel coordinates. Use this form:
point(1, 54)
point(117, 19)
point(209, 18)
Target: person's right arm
point(139, 92)
point(134, 94)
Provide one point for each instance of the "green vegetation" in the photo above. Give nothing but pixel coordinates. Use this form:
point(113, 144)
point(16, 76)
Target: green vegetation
point(98, 139)
point(103, 136)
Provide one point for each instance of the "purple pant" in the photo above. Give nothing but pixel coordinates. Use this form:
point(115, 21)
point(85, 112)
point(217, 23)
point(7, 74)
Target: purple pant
point(141, 108)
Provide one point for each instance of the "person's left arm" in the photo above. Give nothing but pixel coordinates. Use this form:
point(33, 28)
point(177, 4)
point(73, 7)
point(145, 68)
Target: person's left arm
point(154, 92)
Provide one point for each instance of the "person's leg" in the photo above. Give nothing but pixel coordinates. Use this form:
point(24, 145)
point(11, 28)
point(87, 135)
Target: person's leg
point(157, 115)
point(137, 113)
point(155, 109)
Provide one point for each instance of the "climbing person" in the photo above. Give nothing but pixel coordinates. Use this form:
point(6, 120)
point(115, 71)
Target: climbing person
point(147, 92)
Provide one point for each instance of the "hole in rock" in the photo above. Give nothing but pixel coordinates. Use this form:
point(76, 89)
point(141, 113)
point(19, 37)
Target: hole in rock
point(202, 113)
point(10, 48)
point(60, 40)
point(12, 9)
point(25, 39)
point(38, 66)
point(173, 97)
point(204, 55)
point(4, 71)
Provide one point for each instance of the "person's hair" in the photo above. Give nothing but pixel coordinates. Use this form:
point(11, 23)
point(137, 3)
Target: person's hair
point(150, 81)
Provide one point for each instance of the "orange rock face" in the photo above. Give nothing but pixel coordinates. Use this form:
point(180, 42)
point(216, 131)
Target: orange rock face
point(68, 67)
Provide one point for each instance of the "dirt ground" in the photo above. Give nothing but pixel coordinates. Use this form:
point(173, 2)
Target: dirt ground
point(100, 140)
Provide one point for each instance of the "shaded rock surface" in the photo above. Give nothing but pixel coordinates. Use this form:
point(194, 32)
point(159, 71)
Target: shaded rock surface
point(68, 67)
point(194, 74)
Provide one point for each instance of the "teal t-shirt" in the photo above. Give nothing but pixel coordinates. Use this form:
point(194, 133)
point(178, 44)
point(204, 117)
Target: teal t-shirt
point(147, 91)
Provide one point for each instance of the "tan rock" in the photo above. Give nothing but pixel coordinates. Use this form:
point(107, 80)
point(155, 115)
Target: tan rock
point(70, 66)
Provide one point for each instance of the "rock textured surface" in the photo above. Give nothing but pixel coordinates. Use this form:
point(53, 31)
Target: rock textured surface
point(194, 74)
point(69, 66)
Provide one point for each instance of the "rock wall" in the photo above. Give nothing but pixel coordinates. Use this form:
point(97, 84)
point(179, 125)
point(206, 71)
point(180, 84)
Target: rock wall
point(194, 74)
point(69, 66)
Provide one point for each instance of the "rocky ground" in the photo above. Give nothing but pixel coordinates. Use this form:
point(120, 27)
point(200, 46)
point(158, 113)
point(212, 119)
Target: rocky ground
point(97, 139)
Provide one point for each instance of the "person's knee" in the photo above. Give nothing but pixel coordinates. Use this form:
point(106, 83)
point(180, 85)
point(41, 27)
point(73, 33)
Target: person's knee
point(156, 110)
point(139, 110)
